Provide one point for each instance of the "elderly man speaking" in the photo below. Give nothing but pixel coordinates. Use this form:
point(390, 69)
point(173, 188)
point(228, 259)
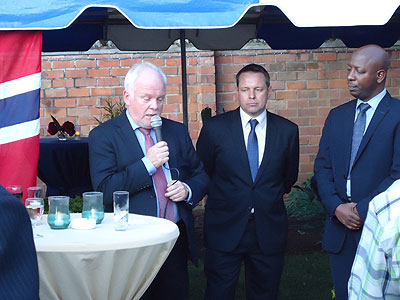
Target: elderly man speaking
point(164, 178)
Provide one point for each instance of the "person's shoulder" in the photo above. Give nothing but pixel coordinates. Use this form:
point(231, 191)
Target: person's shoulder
point(222, 118)
point(107, 126)
point(8, 202)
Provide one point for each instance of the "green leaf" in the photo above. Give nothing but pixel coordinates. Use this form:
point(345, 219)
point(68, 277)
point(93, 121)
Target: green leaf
point(58, 126)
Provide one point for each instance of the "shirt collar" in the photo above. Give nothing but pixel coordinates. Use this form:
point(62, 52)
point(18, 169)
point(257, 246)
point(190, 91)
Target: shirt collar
point(374, 102)
point(261, 118)
point(131, 121)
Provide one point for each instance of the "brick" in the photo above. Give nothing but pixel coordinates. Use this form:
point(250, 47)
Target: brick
point(56, 112)
point(45, 84)
point(207, 70)
point(311, 130)
point(232, 69)
point(317, 84)
point(308, 75)
point(295, 66)
point(301, 121)
point(65, 102)
point(288, 113)
point(206, 78)
point(174, 99)
point(296, 85)
point(98, 73)
point(46, 65)
point(53, 74)
point(285, 95)
point(55, 93)
point(63, 64)
point(219, 60)
point(296, 103)
point(285, 57)
point(80, 92)
point(119, 72)
point(87, 101)
point(326, 56)
point(171, 108)
point(277, 67)
point(206, 60)
point(338, 84)
point(173, 89)
point(286, 76)
point(79, 82)
point(77, 112)
point(315, 66)
point(259, 59)
point(46, 102)
point(76, 73)
point(191, 61)
point(130, 62)
point(108, 63)
point(85, 63)
point(109, 81)
point(101, 91)
point(156, 61)
point(328, 94)
point(242, 60)
point(307, 94)
point(171, 70)
point(62, 83)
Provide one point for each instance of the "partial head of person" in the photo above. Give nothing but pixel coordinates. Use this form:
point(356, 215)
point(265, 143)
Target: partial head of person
point(253, 89)
point(367, 72)
point(145, 91)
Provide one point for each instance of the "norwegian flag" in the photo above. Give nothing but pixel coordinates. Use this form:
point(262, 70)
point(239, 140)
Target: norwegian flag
point(20, 77)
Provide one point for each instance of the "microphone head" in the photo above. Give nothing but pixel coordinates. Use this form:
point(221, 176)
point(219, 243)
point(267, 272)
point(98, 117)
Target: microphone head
point(155, 121)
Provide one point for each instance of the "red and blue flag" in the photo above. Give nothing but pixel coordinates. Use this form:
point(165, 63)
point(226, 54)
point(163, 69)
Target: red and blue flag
point(20, 78)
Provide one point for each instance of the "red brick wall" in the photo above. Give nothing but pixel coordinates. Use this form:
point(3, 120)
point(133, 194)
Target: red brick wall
point(305, 86)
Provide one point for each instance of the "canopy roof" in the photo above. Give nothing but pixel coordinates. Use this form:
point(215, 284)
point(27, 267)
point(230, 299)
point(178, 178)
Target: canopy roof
point(208, 24)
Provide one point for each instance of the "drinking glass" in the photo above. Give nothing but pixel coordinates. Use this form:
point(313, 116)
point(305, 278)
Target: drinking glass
point(121, 210)
point(35, 207)
point(59, 217)
point(34, 192)
point(93, 206)
point(15, 190)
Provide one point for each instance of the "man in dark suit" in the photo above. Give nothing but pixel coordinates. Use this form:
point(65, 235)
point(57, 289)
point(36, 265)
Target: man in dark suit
point(125, 156)
point(252, 158)
point(358, 157)
point(19, 276)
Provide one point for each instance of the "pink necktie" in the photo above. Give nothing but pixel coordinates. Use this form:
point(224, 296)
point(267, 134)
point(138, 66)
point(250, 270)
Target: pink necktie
point(166, 205)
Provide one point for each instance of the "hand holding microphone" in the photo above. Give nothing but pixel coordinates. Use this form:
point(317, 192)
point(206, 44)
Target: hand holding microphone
point(158, 154)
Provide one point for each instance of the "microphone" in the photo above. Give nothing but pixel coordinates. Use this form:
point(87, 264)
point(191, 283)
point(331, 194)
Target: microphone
point(156, 124)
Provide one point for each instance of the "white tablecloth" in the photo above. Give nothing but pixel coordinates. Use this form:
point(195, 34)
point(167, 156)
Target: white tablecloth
point(102, 263)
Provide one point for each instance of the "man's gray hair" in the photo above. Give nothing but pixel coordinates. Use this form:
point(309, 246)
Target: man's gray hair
point(135, 70)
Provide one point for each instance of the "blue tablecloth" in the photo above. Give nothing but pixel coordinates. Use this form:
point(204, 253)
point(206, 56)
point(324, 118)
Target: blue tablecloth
point(64, 166)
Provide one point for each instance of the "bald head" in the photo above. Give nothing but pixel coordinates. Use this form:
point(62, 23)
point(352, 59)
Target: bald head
point(367, 72)
point(375, 55)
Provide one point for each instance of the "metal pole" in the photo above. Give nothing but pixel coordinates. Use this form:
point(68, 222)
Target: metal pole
point(184, 78)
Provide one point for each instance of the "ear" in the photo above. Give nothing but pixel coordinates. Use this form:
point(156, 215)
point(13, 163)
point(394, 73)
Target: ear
point(380, 76)
point(126, 97)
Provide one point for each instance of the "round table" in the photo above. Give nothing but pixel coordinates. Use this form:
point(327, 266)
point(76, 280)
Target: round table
point(102, 263)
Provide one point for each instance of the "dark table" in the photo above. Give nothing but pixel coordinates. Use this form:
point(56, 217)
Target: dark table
point(64, 166)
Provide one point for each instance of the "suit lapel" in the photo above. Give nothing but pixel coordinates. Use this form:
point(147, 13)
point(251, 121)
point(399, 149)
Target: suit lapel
point(238, 145)
point(170, 137)
point(378, 116)
point(345, 128)
point(271, 146)
point(124, 129)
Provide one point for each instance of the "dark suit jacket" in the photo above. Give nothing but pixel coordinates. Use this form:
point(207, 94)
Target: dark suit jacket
point(232, 192)
point(19, 277)
point(375, 168)
point(115, 164)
